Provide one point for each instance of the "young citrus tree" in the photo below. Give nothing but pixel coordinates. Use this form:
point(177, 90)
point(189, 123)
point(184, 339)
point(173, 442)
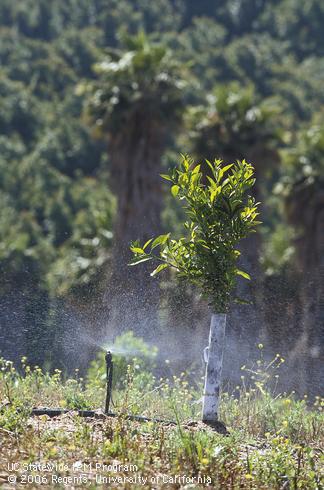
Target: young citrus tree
point(220, 213)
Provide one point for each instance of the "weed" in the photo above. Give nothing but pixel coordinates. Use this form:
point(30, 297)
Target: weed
point(274, 441)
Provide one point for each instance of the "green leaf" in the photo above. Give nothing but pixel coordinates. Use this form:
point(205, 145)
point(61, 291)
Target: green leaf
point(160, 240)
point(166, 177)
point(175, 190)
point(223, 171)
point(147, 243)
point(194, 180)
point(137, 250)
point(243, 274)
point(185, 162)
point(160, 268)
point(210, 165)
point(214, 193)
point(213, 183)
point(140, 261)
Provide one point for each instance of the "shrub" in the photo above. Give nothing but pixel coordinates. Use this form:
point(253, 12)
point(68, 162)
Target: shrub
point(220, 214)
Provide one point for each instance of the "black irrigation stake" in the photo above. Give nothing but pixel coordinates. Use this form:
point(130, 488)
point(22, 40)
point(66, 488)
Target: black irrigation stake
point(109, 378)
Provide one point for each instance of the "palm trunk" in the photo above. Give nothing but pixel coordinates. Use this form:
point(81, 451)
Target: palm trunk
point(306, 211)
point(214, 368)
point(313, 328)
point(133, 296)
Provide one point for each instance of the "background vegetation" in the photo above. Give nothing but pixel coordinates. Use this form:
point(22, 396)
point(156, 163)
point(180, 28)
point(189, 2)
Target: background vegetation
point(92, 109)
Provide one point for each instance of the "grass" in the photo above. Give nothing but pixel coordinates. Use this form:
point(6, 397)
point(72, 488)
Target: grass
point(274, 441)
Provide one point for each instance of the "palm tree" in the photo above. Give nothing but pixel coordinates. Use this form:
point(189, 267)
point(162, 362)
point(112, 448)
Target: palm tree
point(303, 192)
point(234, 126)
point(136, 104)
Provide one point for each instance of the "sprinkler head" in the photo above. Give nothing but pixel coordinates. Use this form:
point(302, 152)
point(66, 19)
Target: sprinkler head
point(108, 358)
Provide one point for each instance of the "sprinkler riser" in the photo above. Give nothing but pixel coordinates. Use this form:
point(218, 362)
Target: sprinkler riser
point(109, 378)
point(214, 363)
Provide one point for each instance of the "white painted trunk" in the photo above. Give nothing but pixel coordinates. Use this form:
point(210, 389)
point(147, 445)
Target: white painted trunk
point(214, 360)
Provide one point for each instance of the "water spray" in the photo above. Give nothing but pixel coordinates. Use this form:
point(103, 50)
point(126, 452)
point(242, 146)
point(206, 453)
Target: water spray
point(55, 412)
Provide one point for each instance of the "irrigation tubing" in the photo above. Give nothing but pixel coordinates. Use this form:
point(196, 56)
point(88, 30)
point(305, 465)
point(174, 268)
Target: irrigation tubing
point(55, 412)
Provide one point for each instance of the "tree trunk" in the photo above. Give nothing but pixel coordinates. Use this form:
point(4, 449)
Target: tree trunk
point(133, 296)
point(312, 297)
point(246, 321)
point(306, 212)
point(214, 368)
